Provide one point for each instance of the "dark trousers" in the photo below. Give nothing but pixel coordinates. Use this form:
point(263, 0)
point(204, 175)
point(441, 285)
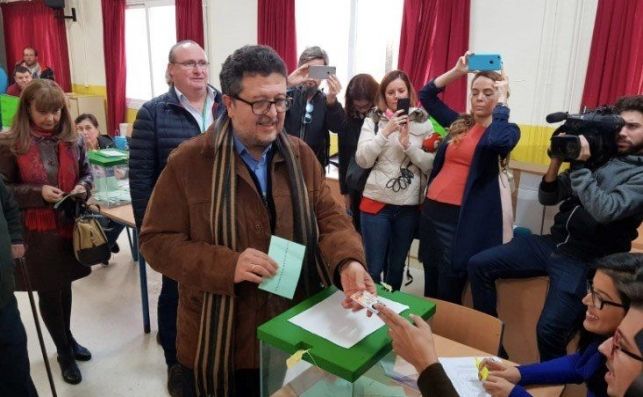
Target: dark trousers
point(246, 383)
point(355, 213)
point(387, 238)
point(437, 229)
point(529, 256)
point(167, 307)
point(55, 310)
point(15, 380)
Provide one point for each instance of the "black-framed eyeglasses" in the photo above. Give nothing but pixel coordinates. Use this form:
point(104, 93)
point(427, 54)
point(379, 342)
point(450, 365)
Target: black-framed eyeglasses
point(193, 64)
point(263, 106)
point(599, 302)
point(616, 345)
point(308, 117)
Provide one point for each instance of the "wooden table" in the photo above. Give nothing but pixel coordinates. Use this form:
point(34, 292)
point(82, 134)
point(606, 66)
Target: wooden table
point(125, 216)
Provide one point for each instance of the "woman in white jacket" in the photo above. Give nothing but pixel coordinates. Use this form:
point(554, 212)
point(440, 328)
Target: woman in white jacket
point(391, 144)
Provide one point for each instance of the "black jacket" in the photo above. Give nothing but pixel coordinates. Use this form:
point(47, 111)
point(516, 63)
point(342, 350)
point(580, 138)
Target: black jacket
point(348, 129)
point(600, 209)
point(315, 133)
point(161, 125)
point(10, 233)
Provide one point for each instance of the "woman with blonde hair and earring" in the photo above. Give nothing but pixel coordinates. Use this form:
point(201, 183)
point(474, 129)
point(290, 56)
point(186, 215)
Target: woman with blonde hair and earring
point(462, 213)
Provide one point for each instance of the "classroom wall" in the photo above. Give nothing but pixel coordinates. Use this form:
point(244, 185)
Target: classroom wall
point(545, 46)
point(85, 43)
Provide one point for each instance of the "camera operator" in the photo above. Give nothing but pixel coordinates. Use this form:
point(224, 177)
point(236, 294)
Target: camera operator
point(600, 212)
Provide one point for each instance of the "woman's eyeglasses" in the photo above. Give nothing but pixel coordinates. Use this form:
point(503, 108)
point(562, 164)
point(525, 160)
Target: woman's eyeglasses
point(308, 117)
point(599, 302)
point(616, 345)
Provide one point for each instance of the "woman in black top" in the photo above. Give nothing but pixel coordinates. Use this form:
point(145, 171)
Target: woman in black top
point(359, 100)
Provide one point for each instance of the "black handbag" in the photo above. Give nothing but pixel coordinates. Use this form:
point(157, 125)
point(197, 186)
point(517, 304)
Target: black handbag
point(356, 176)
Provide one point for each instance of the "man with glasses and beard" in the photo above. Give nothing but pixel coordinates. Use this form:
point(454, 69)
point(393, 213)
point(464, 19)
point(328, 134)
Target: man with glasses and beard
point(306, 118)
point(210, 220)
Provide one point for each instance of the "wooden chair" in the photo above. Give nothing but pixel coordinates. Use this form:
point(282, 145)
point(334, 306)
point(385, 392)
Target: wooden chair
point(467, 326)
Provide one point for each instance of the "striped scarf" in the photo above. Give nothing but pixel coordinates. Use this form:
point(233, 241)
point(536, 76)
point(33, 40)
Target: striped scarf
point(214, 363)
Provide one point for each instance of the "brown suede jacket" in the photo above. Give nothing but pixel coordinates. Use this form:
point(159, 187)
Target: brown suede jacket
point(176, 239)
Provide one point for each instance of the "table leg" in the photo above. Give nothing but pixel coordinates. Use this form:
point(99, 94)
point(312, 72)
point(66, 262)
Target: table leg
point(130, 239)
point(143, 276)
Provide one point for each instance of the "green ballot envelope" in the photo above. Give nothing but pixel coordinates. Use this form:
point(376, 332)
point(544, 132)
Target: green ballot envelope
point(282, 335)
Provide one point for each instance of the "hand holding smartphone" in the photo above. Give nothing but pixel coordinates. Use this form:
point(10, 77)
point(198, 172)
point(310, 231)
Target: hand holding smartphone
point(320, 72)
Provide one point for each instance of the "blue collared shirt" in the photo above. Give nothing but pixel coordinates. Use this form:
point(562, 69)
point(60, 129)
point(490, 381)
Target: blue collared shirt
point(258, 167)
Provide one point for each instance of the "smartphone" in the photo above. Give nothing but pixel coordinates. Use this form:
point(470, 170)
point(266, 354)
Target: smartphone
point(403, 104)
point(320, 72)
point(484, 62)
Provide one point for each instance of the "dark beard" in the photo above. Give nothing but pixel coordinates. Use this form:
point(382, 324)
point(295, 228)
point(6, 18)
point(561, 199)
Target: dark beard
point(309, 91)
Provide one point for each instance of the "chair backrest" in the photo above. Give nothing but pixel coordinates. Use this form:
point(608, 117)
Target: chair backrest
point(467, 326)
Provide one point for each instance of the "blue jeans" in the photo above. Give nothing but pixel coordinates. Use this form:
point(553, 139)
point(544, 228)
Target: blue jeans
point(530, 256)
point(15, 380)
point(167, 307)
point(387, 238)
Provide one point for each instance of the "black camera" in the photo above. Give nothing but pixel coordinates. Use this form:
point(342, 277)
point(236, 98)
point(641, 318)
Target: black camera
point(599, 126)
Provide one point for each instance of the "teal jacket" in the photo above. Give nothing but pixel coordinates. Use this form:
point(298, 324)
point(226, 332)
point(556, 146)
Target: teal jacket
point(10, 233)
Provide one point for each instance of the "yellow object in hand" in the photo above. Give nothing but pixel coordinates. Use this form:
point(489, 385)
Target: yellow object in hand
point(483, 373)
point(295, 358)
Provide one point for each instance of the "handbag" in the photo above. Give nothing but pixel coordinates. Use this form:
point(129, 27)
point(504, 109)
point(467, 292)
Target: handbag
point(507, 186)
point(357, 176)
point(90, 243)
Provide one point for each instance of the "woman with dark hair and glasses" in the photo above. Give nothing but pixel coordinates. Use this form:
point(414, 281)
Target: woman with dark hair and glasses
point(390, 143)
point(359, 100)
point(606, 305)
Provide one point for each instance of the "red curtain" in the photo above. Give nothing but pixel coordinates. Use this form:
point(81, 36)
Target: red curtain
point(616, 60)
point(33, 24)
point(276, 28)
point(189, 20)
point(115, 72)
point(434, 34)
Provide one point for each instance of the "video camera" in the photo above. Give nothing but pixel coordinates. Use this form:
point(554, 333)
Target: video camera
point(599, 126)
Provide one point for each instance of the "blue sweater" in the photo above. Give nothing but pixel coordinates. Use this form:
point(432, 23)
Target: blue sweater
point(481, 201)
point(587, 366)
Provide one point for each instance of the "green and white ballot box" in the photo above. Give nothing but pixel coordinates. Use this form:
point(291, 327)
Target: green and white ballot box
point(318, 348)
point(110, 171)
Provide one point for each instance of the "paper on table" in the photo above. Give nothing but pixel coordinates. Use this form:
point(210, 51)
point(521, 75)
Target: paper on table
point(464, 375)
point(289, 256)
point(343, 327)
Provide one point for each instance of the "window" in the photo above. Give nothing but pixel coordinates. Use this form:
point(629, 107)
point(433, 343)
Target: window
point(360, 36)
point(150, 31)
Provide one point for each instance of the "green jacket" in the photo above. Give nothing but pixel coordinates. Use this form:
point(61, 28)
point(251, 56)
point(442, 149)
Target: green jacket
point(10, 233)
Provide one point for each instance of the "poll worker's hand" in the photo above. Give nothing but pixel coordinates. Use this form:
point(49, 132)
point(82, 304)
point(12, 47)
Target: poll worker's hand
point(17, 251)
point(299, 76)
point(51, 194)
point(501, 370)
point(355, 278)
point(413, 342)
point(334, 87)
point(498, 387)
point(254, 265)
point(585, 152)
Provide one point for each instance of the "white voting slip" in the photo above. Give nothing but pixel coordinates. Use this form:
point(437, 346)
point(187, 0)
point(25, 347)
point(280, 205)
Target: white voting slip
point(343, 327)
point(464, 375)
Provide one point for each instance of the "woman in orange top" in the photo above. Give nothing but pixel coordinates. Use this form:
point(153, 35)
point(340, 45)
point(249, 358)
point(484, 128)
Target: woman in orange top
point(462, 213)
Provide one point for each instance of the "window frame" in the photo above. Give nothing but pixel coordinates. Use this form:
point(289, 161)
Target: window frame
point(137, 103)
